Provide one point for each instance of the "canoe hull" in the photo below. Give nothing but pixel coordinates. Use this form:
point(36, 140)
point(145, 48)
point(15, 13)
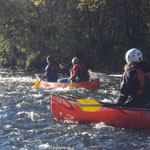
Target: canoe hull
point(64, 109)
point(103, 77)
point(89, 85)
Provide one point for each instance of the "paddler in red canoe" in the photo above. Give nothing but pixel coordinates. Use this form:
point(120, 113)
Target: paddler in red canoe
point(51, 70)
point(135, 81)
point(79, 73)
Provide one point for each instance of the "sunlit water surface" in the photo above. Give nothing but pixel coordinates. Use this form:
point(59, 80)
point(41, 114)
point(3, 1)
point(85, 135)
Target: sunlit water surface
point(26, 122)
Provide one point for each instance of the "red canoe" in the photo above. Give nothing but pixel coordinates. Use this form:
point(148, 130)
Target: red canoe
point(88, 85)
point(66, 108)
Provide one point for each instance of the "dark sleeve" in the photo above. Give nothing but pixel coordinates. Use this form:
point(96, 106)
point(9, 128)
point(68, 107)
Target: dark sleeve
point(128, 86)
point(57, 67)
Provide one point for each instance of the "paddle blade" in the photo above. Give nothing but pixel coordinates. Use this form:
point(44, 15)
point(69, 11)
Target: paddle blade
point(71, 87)
point(89, 105)
point(37, 84)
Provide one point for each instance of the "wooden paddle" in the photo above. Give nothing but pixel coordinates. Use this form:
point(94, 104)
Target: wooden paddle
point(89, 105)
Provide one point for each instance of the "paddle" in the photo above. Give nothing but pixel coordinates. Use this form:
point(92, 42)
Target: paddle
point(89, 105)
point(37, 83)
point(71, 87)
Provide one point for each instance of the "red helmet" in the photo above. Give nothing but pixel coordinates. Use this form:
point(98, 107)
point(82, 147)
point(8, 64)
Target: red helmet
point(49, 58)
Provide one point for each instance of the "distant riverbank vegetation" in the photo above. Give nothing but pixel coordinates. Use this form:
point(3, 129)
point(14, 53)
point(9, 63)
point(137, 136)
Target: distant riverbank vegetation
point(98, 32)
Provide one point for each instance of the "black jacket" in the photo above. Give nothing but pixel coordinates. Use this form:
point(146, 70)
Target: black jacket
point(130, 85)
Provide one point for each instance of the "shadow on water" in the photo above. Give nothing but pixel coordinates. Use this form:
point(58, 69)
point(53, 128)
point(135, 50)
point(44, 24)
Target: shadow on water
point(26, 122)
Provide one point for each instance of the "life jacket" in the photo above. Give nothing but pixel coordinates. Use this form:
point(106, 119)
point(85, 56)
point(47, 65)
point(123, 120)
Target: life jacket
point(82, 73)
point(144, 82)
point(54, 68)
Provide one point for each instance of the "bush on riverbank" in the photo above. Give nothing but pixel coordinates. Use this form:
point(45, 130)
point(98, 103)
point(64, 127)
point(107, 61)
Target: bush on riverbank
point(98, 32)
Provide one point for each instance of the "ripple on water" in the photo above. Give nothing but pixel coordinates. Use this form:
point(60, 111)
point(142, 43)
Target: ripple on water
point(26, 122)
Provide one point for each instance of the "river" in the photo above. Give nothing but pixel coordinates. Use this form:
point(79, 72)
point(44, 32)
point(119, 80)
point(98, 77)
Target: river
point(26, 122)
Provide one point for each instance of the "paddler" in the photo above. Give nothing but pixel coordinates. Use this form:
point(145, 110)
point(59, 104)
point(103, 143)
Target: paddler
point(135, 81)
point(79, 73)
point(51, 70)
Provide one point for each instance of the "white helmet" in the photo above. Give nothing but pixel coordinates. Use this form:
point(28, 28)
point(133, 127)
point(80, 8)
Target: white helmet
point(75, 60)
point(134, 55)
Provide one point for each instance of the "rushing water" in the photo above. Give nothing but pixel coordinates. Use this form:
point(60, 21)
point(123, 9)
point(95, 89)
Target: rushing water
point(26, 122)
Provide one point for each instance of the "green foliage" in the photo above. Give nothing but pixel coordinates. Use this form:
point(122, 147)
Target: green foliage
point(91, 5)
point(38, 2)
point(33, 60)
point(96, 31)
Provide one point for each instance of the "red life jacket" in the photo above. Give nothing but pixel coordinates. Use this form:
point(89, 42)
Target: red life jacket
point(144, 81)
point(80, 71)
point(83, 74)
